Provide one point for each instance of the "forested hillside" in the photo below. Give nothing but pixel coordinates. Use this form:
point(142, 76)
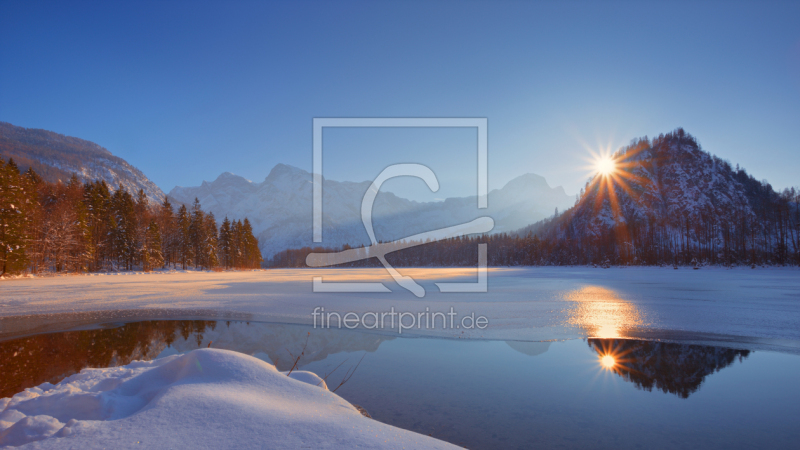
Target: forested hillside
point(671, 202)
point(666, 202)
point(87, 227)
point(56, 157)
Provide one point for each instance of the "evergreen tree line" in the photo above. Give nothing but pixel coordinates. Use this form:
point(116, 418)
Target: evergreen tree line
point(502, 250)
point(505, 249)
point(87, 227)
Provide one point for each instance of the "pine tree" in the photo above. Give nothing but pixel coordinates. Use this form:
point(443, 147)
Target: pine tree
point(97, 202)
point(237, 242)
point(197, 233)
point(13, 219)
point(211, 246)
point(169, 236)
point(143, 219)
point(81, 249)
point(252, 255)
point(152, 257)
point(142, 206)
point(124, 230)
point(225, 243)
point(35, 217)
point(184, 244)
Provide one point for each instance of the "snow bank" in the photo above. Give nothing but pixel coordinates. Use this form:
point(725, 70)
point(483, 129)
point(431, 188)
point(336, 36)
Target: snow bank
point(207, 398)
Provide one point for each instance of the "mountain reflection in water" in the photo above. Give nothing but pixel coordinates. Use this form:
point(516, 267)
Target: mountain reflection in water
point(677, 369)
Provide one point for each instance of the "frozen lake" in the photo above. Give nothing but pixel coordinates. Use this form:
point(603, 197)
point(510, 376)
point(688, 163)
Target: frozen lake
point(742, 307)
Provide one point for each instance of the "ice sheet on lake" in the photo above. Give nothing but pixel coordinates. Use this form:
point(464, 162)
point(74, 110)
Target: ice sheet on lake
point(758, 307)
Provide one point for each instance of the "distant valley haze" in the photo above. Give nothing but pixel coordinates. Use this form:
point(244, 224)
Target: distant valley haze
point(280, 208)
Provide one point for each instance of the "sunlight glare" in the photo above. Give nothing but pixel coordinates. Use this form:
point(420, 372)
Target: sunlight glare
point(605, 165)
point(608, 361)
point(601, 313)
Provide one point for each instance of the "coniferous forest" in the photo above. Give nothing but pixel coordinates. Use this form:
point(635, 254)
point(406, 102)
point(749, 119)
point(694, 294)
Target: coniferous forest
point(90, 227)
point(504, 249)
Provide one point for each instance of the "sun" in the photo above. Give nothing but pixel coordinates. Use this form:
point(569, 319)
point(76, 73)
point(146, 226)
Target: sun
point(609, 176)
point(605, 166)
point(608, 361)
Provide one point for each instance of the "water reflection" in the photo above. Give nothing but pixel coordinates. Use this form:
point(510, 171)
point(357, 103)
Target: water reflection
point(280, 344)
point(529, 348)
point(601, 313)
point(677, 369)
point(482, 394)
point(31, 361)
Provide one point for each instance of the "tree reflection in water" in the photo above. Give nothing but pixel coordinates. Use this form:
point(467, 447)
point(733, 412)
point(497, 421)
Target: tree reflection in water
point(672, 368)
point(26, 362)
point(31, 361)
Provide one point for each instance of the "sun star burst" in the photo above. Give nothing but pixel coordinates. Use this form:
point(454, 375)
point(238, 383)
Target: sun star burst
point(605, 166)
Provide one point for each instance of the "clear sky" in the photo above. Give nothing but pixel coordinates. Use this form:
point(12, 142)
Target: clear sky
point(188, 90)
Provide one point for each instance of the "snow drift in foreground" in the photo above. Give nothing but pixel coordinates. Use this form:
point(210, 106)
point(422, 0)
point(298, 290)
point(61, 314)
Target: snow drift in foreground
point(206, 398)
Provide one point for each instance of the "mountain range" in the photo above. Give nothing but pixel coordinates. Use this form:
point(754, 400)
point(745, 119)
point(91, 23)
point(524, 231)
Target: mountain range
point(280, 208)
point(666, 201)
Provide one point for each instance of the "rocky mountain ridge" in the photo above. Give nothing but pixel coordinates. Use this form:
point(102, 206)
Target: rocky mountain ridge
point(280, 208)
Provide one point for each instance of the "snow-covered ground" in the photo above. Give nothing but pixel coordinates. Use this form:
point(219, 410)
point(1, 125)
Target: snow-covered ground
point(757, 308)
point(207, 398)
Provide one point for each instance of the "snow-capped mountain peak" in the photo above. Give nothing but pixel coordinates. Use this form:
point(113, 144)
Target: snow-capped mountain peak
point(280, 208)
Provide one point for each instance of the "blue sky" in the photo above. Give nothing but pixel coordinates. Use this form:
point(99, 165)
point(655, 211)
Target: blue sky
point(187, 90)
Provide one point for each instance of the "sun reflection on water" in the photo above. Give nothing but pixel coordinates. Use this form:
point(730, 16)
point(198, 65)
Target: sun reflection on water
point(601, 313)
point(612, 355)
